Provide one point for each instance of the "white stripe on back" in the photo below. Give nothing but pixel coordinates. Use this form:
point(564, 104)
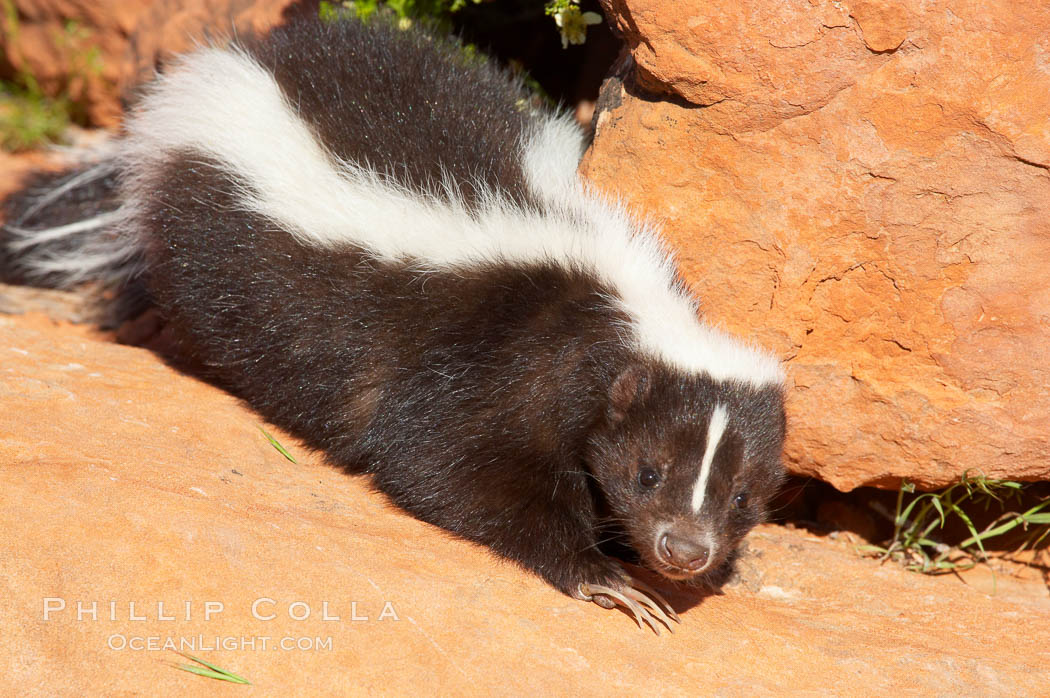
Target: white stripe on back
point(715, 428)
point(223, 104)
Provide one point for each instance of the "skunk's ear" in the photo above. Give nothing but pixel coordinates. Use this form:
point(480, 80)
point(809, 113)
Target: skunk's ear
point(629, 387)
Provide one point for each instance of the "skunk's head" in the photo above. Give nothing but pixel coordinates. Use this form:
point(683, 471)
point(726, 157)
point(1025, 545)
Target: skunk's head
point(687, 464)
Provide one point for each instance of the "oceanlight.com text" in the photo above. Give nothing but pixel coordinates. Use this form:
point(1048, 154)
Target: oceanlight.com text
point(209, 643)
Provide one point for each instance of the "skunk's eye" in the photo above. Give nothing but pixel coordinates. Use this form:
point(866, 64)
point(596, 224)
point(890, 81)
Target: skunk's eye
point(740, 501)
point(648, 478)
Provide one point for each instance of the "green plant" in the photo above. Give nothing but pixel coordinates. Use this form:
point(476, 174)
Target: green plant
point(916, 522)
point(28, 116)
point(404, 10)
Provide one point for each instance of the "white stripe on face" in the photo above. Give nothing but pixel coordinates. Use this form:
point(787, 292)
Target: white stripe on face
point(715, 428)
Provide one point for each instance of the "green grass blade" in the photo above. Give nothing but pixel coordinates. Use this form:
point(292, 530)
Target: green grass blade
point(209, 670)
point(905, 515)
point(871, 549)
point(207, 673)
point(992, 532)
point(939, 508)
point(280, 449)
point(975, 537)
point(1032, 516)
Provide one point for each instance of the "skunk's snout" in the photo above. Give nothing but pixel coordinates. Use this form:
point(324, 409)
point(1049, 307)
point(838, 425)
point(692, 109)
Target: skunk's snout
point(688, 554)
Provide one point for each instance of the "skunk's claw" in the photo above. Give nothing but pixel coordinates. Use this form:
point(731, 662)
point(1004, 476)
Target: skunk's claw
point(638, 598)
point(588, 591)
point(654, 595)
point(648, 597)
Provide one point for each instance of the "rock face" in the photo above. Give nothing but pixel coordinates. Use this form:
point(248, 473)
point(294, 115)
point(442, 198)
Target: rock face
point(139, 506)
point(865, 188)
point(95, 51)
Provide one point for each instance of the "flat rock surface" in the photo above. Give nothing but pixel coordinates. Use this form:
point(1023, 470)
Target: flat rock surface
point(863, 187)
point(125, 485)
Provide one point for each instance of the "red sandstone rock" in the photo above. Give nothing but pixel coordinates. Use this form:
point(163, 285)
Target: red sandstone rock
point(97, 50)
point(866, 190)
point(174, 26)
point(73, 48)
point(124, 482)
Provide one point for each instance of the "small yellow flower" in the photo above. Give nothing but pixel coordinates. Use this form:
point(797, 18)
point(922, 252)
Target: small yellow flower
point(573, 24)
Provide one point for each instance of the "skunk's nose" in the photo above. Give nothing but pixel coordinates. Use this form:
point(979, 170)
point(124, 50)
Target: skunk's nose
point(683, 553)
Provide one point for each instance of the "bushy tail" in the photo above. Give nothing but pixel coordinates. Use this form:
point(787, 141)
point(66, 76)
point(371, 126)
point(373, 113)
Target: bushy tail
point(65, 229)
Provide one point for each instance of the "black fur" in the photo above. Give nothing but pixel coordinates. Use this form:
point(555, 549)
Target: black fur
point(499, 402)
point(412, 105)
point(469, 396)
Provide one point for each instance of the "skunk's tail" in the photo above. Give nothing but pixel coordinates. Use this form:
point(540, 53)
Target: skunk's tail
point(65, 229)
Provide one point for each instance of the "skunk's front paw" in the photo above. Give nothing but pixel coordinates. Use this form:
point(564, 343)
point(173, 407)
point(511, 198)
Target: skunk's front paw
point(641, 600)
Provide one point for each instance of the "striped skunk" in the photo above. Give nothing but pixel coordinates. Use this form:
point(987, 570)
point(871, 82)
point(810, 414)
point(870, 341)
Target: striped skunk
point(379, 244)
